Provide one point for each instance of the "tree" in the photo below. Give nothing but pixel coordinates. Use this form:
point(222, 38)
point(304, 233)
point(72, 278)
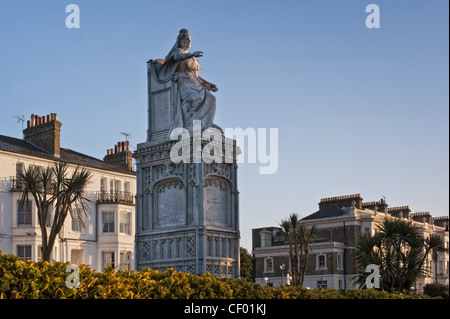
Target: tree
point(247, 265)
point(298, 236)
point(305, 234)
point(400, 252)
point(54, 187)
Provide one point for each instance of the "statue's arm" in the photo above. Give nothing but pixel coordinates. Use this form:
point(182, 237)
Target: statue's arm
point(183, 56)
point(207, 85)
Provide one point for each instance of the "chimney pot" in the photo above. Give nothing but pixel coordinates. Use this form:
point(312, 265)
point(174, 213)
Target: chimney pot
point(47, 136)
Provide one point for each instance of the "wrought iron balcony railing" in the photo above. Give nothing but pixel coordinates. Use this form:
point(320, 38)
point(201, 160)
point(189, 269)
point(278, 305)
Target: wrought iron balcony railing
point(18, 185)
point(115, 197)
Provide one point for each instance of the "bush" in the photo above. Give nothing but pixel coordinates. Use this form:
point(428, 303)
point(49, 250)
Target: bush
point(29, 280)
point(436, 290)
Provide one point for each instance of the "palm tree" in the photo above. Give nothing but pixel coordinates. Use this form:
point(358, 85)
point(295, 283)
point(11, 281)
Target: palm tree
point(399, 250)
point(54, 187)
point(287, 230)
point(305, 234)
point(298, 236)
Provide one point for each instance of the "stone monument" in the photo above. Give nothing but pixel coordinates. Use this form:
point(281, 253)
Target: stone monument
point(187, 212)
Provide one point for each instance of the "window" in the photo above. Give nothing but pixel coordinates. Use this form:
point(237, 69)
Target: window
point(108, 259)
point(339, 262)
point(321, 284)
point(367, 230)
point(24, 252)
point(37, 169)
point(440, 268)
point(103, 185)
point(76, 219)
point(116, 186)
point(125, 260)
point(125, 223)
point(108, 222)
point(24, 213)
point(39, 252)
point(19, 169)
point(321, 262)
point(49, 217)
point(268, 264)
point(126, 187)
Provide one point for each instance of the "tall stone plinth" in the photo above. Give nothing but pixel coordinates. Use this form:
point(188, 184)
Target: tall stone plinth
point(187, 214)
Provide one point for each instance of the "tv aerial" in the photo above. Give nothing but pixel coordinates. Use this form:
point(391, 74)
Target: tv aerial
point(127, 136)
point(20, 118)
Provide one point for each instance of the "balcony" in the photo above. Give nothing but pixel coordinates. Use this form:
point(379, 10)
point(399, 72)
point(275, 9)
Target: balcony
point(18, 185)
point(126, 198)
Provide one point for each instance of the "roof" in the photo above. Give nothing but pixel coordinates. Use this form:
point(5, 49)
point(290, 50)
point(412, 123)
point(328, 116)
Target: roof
point(327, 212)
point(15, 145)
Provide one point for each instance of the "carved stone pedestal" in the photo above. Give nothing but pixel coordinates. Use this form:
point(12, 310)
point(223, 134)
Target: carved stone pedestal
point(187, 214)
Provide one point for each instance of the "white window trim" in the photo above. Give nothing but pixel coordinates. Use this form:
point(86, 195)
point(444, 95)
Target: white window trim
point(339, 266)
point(103, 222)
point(318, 267)
point(265, 265)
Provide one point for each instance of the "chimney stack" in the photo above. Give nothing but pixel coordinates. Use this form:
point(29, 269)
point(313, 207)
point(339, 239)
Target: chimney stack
point(44, 132)
point(342, 201)
point(120, 155)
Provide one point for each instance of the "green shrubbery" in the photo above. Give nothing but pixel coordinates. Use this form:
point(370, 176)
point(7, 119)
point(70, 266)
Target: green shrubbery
point(27, 279)
point(436, 290)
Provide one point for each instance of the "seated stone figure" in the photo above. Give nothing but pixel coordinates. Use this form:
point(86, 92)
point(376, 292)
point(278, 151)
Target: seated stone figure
point(196, 100)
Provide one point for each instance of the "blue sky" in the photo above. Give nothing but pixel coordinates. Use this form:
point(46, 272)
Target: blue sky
point(358, 110)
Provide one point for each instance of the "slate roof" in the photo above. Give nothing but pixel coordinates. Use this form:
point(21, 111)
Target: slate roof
point(15, 145)
point(327, 212)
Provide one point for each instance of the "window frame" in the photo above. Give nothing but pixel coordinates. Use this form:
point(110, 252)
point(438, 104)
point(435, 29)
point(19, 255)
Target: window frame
point(28, 213)
point(30, 247)
point(105, 262)
point(109, 222)
point(127, 223)
point(318, 262)
point(266, 263)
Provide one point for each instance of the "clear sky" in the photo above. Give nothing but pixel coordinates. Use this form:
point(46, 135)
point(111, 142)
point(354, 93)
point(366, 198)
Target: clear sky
point(358, 110)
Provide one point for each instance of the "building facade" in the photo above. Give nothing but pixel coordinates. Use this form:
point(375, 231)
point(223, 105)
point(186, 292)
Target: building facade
point(102, 236)
point(340, 221)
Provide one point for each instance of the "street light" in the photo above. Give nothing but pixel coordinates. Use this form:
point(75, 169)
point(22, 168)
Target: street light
point(266, 279)
point(282, 273)
point(289, 277)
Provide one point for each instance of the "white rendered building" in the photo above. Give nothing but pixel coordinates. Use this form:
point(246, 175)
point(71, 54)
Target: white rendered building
point(105, 235)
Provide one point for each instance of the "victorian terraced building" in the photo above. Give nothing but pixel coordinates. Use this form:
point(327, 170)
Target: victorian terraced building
point(104, 236)
point(331, 263)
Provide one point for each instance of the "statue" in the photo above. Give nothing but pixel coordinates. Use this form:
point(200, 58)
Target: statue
point(196, 100)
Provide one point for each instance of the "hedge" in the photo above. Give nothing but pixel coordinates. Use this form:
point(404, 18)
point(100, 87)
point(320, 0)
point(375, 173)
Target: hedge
point(42, 280)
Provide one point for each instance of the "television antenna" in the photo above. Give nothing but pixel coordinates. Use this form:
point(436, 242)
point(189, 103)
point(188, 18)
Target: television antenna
point(127, 136)
point(20, 118)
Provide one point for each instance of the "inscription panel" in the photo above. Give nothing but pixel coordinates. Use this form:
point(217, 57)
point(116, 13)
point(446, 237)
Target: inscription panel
point(217, 201)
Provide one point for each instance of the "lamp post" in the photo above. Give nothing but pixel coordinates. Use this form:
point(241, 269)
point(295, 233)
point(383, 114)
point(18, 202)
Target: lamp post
point(282, 273)
point(266, 279)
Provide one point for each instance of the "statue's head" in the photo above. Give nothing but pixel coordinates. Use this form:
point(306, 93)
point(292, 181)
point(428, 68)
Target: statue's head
point(184, 39)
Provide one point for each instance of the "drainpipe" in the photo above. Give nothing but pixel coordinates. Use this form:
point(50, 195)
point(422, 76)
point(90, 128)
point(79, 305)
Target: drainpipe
point(345, 258)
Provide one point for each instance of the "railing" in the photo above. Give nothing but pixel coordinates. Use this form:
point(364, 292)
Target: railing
point(18, 185)
point(115, 197)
